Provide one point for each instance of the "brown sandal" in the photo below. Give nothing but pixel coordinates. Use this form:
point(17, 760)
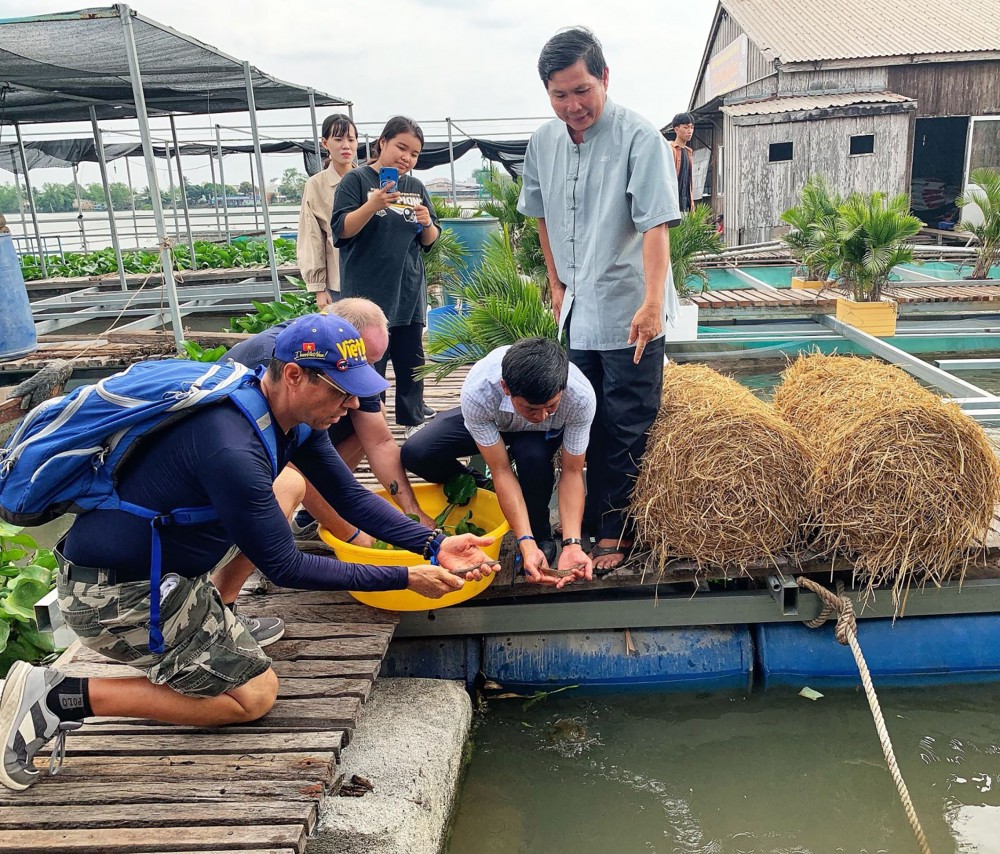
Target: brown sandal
point(603, 551)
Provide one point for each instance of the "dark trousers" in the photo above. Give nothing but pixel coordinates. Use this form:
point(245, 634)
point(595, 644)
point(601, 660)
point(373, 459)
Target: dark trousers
point(406, 349)
point(432, 454)
point(628, 397)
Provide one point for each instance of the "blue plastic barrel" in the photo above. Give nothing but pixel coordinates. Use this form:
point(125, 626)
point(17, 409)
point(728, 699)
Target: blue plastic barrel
point(700, 658)
point(913, 651)
point(473, 234)
point(17, 329)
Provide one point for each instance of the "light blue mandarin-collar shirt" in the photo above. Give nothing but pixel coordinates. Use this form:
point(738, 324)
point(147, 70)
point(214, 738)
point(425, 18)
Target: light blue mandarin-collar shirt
point(598, 199)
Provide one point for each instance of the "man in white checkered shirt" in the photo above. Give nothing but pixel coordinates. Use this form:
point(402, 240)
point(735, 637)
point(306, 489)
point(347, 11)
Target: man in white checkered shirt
point(525, 402)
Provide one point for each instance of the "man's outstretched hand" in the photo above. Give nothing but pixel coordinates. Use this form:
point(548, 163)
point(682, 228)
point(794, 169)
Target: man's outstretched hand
point(463, 550)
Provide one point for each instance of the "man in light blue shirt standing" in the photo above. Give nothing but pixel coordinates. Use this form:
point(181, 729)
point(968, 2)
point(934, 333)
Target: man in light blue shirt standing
point(601, 181)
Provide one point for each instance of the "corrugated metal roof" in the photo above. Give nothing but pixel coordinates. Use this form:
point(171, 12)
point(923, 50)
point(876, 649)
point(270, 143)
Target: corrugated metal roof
point(811, 30)
point(812, 102)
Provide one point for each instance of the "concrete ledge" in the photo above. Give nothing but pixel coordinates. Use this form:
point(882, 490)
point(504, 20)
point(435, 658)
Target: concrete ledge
point(408, 744)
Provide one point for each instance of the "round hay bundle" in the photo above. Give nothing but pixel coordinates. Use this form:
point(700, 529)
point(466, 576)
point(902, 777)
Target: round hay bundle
point(817, 391)
point(723, 479)
point(904, 482)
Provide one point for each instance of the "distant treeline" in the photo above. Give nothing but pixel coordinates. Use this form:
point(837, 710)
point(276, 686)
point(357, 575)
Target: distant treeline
point(61, 198)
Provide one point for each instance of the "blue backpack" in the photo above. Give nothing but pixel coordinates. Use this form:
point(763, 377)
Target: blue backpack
point(65, 455)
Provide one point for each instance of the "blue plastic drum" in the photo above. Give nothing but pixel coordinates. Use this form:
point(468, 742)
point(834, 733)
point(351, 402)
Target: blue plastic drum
point(473, 234)
point(17, 329)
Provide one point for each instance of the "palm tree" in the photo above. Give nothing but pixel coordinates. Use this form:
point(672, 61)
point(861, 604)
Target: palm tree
point(865, 239)
point(816, 203)
point(444, 264)
point(987, 233)
point(690, 241)
point(499, 305)
point(503, 194)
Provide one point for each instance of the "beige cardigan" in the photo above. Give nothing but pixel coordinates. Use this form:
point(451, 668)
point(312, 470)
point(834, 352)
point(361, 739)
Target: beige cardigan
point(318, 260)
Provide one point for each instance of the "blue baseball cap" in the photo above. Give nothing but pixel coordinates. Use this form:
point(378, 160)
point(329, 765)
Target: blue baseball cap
point(330, 344)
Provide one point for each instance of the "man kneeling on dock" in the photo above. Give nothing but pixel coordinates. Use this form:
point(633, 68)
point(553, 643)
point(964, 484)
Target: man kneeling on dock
point(203, 663)
point(529, 400)
point(363, 432)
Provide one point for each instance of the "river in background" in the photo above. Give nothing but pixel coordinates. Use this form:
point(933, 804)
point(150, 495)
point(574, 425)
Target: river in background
point(769, 773)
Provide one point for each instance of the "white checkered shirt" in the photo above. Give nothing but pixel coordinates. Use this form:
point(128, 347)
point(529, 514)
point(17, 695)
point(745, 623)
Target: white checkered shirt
point(488, 410)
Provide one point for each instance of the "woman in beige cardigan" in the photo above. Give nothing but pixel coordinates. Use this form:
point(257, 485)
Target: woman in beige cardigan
point(318, 260)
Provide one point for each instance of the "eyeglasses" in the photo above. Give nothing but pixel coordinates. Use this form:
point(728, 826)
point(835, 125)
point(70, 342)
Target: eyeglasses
point(333, 385)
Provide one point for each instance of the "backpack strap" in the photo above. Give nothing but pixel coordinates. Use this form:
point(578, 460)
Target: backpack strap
point(251, 402)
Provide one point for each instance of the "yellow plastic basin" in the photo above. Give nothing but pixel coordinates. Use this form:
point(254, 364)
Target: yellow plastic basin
point(485, 513)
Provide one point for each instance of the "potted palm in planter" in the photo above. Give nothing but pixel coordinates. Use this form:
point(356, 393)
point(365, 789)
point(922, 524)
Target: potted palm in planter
point(816, 206)
point(865, 240)
point(984, 195)
point(692, 241)
point(445, 262)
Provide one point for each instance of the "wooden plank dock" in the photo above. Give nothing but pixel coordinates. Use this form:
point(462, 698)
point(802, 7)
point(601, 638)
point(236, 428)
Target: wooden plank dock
point(789, 302)
point(136, 786)
point(140, 786)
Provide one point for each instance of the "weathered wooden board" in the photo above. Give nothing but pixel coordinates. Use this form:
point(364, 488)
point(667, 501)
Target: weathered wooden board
point(96, 792)
point(360, 668)
point(139, 840)
point(98, 742)
point(316, 767)
point(232, 813)
point(370, 646)
point(320, 631)
point(326, 713)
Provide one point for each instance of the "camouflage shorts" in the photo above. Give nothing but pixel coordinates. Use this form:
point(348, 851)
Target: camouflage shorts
point(207, 650)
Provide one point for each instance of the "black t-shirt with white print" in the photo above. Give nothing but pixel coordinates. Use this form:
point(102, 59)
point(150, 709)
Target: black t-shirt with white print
point(383, 261)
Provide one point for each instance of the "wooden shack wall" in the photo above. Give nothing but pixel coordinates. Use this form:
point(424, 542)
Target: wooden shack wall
point(757, 191)
point(949, 88)
point(728, 30)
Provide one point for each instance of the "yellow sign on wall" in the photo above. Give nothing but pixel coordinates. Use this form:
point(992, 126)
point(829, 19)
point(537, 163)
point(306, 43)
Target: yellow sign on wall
point(727, 70)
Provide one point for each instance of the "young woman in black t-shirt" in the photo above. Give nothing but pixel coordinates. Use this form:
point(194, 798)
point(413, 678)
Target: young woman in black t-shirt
point(381, 233)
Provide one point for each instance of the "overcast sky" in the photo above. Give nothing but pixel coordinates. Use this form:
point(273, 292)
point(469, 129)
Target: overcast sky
point(430, 59)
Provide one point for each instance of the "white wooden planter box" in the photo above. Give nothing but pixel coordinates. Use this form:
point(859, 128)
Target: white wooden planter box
point(686, 326)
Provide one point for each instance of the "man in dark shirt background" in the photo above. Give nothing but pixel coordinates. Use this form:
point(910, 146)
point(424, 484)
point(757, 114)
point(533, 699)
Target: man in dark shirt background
point(683, 125)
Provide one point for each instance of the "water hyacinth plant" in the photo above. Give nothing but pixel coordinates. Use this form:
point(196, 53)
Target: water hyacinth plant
point(267, 314)
point(27, 573)
point(251, 253)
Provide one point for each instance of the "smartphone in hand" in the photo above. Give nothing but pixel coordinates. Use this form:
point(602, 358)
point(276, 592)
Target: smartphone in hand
point(388, 174)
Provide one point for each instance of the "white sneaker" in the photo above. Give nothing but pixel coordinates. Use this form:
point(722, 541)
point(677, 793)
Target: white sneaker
point(409, 431)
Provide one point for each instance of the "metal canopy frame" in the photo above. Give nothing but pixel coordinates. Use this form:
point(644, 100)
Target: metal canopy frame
point(185, 75)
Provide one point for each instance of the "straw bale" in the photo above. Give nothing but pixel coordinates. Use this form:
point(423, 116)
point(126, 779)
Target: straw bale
point(904, 483)
point(723, 479)
point(818, 392)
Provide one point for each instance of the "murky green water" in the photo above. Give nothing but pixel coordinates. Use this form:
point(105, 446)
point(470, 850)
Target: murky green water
point(769, 773)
